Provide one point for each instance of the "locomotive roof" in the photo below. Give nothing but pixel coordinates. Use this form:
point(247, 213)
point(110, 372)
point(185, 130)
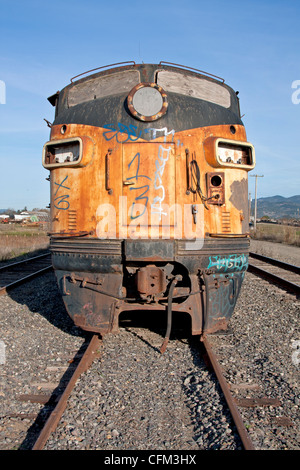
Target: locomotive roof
point(207, 98)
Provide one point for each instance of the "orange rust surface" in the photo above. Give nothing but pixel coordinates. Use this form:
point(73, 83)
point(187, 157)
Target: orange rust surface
point(143, 177)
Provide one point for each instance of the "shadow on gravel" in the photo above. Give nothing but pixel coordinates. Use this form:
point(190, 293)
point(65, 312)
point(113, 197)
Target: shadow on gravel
point(41, 295)
point(156, 321)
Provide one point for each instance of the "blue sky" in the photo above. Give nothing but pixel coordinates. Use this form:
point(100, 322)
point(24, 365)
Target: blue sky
point(254, 45)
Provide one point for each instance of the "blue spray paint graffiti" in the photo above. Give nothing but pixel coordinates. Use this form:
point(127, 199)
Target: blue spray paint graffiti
point(121, 132)
point(228, 263)
point(61, 201)
point(140, 197)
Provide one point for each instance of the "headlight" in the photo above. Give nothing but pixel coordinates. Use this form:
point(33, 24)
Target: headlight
point(233, 153)
point(147, 102)
point(62, 152)
point(223, 153)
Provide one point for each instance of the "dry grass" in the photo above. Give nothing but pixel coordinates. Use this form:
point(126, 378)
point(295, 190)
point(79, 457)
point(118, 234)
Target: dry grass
point(277, 233)
point(16, 241)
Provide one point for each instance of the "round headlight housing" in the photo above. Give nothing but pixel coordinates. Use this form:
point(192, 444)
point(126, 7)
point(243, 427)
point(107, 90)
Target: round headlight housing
point(147, 102)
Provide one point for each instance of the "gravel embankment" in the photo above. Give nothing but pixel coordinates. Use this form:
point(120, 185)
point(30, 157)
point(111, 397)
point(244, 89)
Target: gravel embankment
point(288, 253)
point(136, 398)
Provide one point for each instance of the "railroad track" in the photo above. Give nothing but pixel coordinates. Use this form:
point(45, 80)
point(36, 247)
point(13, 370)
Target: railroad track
point(110, 375)
point(283, 274)
point(14, 274)
point(238, 421)
point(88, 357)
point(92, 352)
point(92, 348)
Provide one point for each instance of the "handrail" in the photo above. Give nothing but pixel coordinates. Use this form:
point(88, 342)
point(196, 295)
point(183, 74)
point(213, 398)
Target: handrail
point(107, 172)
point(161, 62)
point(191, 68)
point(103, 67)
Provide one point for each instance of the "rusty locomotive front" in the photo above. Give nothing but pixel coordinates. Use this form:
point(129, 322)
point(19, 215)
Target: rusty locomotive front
point(149, 195)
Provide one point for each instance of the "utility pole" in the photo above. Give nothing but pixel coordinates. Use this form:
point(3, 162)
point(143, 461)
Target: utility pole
point(249, 206)
point(255, 206)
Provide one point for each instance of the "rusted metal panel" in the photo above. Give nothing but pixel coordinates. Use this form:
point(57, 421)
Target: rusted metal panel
point(157, 250)
point(148, 185)
point(151, 280)
point(71, 188)
point(90, 301)
point(222, 291)
point(215, 188)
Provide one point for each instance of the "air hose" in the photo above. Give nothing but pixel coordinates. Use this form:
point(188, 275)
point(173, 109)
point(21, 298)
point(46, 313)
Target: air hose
point(170, 300)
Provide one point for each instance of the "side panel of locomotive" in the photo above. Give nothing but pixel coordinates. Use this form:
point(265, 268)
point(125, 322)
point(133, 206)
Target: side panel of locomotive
point(139, 200)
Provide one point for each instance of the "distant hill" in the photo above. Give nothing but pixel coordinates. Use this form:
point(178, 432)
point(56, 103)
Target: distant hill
point(277, 207)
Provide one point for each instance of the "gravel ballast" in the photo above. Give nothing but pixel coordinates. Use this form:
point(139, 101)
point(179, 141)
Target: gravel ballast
point(134, 398)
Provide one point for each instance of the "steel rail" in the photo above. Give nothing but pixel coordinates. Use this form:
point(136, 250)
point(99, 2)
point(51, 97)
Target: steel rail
point(284, 283)
point(22, 279)
point(27, 260)
point(4, 289)
point(246, 441)
point(276, 262)
point(54, 418)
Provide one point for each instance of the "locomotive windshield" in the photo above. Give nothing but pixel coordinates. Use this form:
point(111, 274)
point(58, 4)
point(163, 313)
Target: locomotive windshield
point(195, 87)
point(170, 81)
point(103, 86)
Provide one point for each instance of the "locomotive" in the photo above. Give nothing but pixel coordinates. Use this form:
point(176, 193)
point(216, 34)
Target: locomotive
point(149, 195)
